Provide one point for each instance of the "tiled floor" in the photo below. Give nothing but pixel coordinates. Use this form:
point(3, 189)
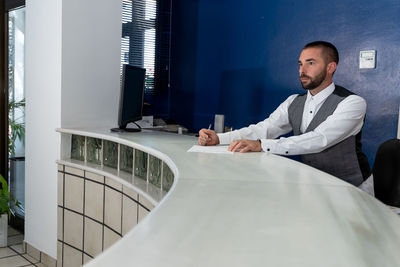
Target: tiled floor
point(13, 255)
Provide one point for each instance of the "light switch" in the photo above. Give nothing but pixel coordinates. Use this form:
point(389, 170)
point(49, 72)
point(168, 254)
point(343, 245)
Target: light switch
point(367, 59)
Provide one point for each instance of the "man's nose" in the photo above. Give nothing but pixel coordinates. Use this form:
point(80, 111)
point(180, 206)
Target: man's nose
point(302, 70)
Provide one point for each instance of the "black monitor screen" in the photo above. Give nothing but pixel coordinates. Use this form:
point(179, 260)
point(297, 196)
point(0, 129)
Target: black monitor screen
point(132, 91)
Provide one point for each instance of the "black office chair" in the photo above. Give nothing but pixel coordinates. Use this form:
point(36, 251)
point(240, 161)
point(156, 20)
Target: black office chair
point(386, 172)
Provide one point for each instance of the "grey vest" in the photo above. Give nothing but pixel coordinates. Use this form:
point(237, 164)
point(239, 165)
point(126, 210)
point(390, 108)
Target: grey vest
point(344, 160)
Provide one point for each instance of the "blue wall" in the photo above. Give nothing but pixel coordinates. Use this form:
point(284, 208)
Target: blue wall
point(239, 58)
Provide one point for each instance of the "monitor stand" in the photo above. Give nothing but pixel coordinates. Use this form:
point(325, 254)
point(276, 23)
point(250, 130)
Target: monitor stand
point(129, 130)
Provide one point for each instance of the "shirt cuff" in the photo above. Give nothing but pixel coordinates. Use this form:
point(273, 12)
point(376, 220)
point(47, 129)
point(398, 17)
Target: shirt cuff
point(271, 146)
point(224, 138)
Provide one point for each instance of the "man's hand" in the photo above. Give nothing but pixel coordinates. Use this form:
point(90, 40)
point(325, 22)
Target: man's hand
point(208, 138)
point(245, 146)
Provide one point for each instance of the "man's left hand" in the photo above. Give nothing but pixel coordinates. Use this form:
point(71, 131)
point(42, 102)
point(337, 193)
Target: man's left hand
point(245, 145)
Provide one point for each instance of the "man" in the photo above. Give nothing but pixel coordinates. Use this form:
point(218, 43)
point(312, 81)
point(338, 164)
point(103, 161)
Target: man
point(326, 122)
point(386, 173)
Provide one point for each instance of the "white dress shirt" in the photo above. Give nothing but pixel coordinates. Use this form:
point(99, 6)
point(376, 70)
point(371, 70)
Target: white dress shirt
point(346, 120)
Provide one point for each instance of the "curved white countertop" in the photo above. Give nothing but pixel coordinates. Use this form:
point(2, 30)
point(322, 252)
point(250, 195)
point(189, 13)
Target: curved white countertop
point(251, 209)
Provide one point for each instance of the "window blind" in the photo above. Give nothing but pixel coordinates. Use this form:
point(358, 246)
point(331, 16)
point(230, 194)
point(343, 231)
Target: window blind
point(138, 41)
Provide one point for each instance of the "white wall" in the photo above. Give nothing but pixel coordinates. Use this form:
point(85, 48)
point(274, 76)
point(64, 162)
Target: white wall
point(43, 115)
point(72, 79)
point(91, 33)
point(398, 126)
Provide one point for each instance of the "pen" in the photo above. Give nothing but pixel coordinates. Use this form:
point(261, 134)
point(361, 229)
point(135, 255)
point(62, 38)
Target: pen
point(209, 127)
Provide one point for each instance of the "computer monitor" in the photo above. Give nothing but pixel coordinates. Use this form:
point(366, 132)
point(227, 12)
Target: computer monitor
point(131, 98)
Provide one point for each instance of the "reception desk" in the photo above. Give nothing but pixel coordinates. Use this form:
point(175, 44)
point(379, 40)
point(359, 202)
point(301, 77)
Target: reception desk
point(251, 209)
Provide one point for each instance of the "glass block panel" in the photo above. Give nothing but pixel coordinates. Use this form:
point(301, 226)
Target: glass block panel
point(126, 158)
point(168, 178)
point(93, 150)
point(155, 171)
point(141, 164)
point(78, 147)
point(110, 154)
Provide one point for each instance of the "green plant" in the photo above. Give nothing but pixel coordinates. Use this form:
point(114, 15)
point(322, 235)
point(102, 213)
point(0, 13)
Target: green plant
point(16, 127)
point(5, 200)
point(16, 130)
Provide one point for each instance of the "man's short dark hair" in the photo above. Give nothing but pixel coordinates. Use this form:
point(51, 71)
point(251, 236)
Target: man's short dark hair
point(329, 50)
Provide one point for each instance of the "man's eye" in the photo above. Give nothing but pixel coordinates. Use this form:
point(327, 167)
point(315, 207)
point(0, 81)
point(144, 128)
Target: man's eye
point(311, 62)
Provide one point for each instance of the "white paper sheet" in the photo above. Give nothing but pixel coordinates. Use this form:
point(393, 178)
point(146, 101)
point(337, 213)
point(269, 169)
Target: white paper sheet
point(210, 149)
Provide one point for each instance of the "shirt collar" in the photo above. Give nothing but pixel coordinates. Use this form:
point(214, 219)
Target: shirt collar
point(321, 96)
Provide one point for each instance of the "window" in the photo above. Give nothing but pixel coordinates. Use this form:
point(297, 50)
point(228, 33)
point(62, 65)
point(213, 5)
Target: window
point(16, 110)
point(145, 43)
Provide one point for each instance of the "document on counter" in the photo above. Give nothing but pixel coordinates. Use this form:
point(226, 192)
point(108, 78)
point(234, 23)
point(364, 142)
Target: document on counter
point(210, 149)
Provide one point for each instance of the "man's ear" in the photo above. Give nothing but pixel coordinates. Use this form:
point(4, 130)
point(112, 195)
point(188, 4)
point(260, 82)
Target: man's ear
point(331, 67)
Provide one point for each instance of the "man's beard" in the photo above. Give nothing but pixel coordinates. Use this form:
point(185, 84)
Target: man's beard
point(313, 82)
